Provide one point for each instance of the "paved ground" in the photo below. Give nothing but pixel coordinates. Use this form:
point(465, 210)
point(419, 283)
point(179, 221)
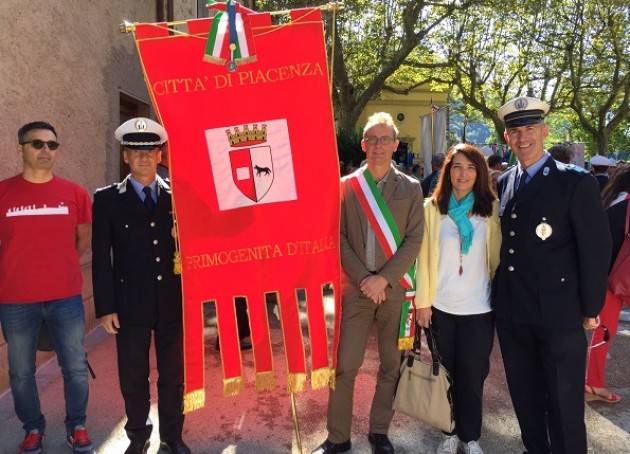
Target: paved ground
point(261, 423)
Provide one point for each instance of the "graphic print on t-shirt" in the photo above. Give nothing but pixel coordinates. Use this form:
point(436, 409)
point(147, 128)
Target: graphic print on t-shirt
point(33, 210)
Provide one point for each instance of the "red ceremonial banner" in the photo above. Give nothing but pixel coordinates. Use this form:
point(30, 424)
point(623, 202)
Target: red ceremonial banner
point(255, 179)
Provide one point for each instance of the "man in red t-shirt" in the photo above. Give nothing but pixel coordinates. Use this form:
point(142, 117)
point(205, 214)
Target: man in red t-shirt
point(45, 226)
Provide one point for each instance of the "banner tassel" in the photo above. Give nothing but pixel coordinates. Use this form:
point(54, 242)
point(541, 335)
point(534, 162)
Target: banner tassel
point(296, 382)
point(177, 263)
point(194, 400)
point(232, 386)
point(265, 381)
point(320, 378)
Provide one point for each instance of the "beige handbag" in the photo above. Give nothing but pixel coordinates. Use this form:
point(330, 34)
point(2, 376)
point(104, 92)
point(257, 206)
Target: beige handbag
point(424, 389)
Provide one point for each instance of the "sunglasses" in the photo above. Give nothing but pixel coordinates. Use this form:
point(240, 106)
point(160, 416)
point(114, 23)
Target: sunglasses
point(384, 140)
point(39, 144)
point(606, 337)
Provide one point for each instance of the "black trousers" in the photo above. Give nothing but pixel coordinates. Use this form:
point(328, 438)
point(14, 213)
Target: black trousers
point(545, 373)
point(133, 343)
point(465, 343)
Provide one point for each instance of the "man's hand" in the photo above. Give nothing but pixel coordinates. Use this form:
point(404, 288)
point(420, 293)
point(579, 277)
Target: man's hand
point(379, 298)
point(110, 323)
point(374, 288)
point(423, 316)
point(590, 323)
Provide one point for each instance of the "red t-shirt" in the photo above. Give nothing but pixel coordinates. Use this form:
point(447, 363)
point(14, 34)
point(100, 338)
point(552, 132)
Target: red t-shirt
point(38, 225)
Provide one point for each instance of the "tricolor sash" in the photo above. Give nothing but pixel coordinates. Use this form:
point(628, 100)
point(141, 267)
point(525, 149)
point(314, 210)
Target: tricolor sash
point(229, 37)
point(385, 229)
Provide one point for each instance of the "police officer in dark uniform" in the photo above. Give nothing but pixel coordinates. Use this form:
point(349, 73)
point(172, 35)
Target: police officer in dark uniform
point(136, 292)
point(550, 284)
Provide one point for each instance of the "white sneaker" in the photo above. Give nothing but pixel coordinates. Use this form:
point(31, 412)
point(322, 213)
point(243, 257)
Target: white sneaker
point(472, 447)
point(449, 445)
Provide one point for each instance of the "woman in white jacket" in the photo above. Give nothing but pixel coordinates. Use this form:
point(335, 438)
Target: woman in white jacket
point(458, 258)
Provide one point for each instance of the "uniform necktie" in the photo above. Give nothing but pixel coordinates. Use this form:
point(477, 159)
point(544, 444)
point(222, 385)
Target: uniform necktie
point(522, 181)
point(148, 199)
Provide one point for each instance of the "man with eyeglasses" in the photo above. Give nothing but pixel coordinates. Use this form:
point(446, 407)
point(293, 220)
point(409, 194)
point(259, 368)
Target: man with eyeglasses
point(45, 227)
point(372, 290)
point(136, 293)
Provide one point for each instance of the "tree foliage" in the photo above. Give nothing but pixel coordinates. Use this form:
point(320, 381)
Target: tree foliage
point(599, 67)
point(574, 54)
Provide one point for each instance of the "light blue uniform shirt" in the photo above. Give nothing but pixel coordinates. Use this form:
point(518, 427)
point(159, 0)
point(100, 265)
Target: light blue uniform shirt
point(531, 170)
point(138, 187)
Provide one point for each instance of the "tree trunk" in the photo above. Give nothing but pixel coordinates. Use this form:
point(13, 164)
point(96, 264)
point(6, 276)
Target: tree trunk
point(601, 141)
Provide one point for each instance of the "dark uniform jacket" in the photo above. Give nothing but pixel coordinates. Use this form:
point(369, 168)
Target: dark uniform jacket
point(553, 282)
point(132, 256)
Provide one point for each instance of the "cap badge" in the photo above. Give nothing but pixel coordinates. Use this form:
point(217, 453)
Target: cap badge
point(520, 103)
point(140, 125)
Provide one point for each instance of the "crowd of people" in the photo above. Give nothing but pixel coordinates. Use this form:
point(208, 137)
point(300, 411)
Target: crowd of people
point(471, 234)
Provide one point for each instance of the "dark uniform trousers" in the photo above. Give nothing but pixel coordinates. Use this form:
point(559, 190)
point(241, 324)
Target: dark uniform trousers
point(554, 261)
point(543, 370)
point(132, 345)
point(133, 277)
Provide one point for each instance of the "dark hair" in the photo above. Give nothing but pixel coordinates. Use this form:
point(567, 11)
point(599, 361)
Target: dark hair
point(31, 126)
point(494, 160)
point(619, 182)
point(561, 152)
point(437, 160)
point(484, 196)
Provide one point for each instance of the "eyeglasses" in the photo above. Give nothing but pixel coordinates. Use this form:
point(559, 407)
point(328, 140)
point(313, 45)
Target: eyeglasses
point(606, 337)
point(385, 140)
point(39, 144)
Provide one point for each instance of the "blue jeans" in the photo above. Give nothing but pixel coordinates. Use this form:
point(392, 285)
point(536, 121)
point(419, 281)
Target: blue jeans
point(65, 320)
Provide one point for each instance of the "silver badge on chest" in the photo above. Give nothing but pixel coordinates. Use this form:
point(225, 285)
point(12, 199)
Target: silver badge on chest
point(543, 230)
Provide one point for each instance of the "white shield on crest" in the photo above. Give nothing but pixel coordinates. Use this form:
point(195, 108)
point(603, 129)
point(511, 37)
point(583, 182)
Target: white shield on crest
point(262, 164)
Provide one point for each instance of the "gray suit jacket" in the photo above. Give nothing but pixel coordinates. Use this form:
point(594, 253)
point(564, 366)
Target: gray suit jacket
point(403, 196)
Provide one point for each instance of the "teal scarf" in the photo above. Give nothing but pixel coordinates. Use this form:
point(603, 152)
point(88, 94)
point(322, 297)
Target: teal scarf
point(458, 211)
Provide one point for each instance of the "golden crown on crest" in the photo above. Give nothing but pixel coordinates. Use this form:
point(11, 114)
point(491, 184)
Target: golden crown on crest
point(247, 136)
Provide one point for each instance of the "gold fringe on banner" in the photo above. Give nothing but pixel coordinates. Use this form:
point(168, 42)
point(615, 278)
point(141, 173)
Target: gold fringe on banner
point(296, 382)
point(320, 378)
point(177, 263)
point(332, 379)
point(194, 400)
point(232, 386)
point(405, 343)
point(265, 381)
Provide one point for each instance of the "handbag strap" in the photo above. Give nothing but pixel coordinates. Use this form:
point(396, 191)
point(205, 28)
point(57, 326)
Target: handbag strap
point(435, 354)
point(627, 215)
point(436, 359)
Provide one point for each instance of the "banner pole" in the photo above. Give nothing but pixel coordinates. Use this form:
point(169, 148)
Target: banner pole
point(334, 6)
point(296, 423)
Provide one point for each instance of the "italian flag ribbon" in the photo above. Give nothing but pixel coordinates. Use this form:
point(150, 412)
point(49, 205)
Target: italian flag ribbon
point(229, 38)
point(386, 231)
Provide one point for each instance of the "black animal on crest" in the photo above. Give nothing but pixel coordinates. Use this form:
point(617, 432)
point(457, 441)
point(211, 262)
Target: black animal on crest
point(262, 171)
